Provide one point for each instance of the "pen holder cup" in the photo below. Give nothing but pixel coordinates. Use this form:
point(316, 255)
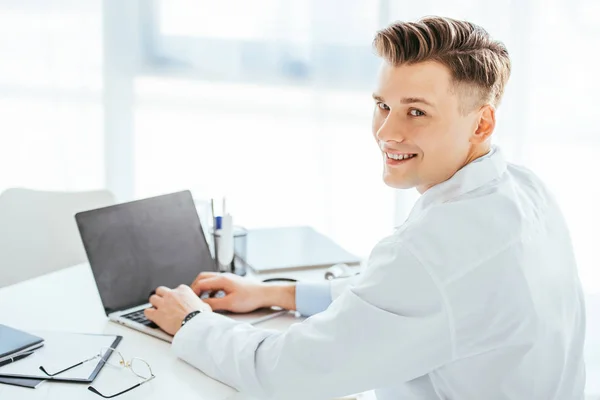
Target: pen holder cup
point(240, 249)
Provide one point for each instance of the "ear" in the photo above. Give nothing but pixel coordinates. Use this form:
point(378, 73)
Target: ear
point(485, 124)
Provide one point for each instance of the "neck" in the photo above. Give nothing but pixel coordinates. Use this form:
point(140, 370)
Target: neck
point(477, 152)
point(474, 153)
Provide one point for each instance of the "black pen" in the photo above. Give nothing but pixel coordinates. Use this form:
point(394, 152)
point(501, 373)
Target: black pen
point(15, 358)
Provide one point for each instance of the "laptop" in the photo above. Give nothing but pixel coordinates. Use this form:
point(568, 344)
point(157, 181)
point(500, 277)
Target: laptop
point(137, 246)
point(294, 247)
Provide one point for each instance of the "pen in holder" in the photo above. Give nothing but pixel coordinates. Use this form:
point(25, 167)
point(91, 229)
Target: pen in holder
point(228, 263)
point(229, 242)
point(225, 251)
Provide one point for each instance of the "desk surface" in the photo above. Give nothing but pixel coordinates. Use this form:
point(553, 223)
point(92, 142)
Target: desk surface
point(67, 300)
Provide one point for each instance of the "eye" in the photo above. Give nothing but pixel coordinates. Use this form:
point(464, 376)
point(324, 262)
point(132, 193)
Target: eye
point(383, 106)
point(416, 113)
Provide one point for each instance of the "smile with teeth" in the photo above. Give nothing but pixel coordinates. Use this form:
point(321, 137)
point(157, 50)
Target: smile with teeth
point(400, 156)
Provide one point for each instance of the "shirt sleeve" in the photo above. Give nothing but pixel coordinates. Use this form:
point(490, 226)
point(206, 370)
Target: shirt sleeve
point(391, 326)
point(312, 298)
point(339, 285)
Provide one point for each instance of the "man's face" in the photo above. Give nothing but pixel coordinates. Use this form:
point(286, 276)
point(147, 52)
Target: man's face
point(418, 117)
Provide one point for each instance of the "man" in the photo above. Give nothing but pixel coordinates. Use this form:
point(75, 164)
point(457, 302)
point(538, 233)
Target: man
point(475, 296)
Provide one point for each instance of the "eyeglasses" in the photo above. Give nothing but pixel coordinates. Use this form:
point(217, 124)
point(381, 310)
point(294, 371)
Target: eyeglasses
point(137, 366)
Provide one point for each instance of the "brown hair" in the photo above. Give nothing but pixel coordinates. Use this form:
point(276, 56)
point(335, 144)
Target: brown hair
point(466, 49)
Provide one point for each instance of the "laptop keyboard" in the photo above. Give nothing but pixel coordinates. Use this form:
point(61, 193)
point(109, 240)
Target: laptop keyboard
point(138, 316)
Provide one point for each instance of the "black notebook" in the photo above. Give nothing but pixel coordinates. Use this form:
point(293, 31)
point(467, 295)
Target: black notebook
point(23, 382)
point(14, 341)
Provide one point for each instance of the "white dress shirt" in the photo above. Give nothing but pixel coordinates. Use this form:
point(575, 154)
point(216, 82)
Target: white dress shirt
point(476, 296)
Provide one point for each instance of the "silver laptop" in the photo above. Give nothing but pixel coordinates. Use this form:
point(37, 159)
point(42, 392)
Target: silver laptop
point(293, 247)
point(135, 247)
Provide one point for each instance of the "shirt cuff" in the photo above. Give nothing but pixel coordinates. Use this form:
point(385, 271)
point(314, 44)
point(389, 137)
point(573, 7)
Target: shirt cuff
point(188, 335)
point(312, 298)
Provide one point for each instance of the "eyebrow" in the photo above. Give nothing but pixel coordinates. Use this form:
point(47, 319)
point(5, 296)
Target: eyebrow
point(406, 100)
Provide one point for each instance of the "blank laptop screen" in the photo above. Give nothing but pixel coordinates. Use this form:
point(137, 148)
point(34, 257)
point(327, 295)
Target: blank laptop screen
point(135, 247)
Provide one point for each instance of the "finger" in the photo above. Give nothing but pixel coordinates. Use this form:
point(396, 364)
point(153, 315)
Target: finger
point(219, 303)
point(162, 290)
point(204, 275)
point(156, 301)
point(215, 283)
point(151, 314)
point(211, 285)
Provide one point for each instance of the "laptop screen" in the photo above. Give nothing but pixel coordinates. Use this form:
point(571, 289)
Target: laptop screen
point(135, 247)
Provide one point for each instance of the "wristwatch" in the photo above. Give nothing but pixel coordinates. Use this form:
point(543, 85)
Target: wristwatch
point(190, 316)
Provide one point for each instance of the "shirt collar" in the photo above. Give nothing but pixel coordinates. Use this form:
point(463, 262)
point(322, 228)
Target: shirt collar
point(477, 173)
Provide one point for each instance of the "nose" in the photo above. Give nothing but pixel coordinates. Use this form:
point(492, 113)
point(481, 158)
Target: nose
point(389, 131)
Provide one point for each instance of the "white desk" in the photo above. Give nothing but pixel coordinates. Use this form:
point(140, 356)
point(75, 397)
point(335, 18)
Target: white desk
point(68, 300)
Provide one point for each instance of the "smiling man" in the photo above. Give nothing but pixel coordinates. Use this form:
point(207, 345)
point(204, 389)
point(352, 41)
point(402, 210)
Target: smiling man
point(476, 296)
point(425, 133)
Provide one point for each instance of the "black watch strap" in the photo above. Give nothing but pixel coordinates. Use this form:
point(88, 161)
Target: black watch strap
point(189, 316)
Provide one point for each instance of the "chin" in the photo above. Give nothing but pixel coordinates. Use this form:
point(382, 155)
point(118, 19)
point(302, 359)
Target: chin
point(398, 182)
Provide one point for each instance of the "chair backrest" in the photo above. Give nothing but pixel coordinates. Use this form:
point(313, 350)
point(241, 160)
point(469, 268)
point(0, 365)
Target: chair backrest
point(38, 233)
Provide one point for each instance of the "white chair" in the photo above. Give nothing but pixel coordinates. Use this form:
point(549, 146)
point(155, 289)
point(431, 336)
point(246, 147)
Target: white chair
point(38, 232)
